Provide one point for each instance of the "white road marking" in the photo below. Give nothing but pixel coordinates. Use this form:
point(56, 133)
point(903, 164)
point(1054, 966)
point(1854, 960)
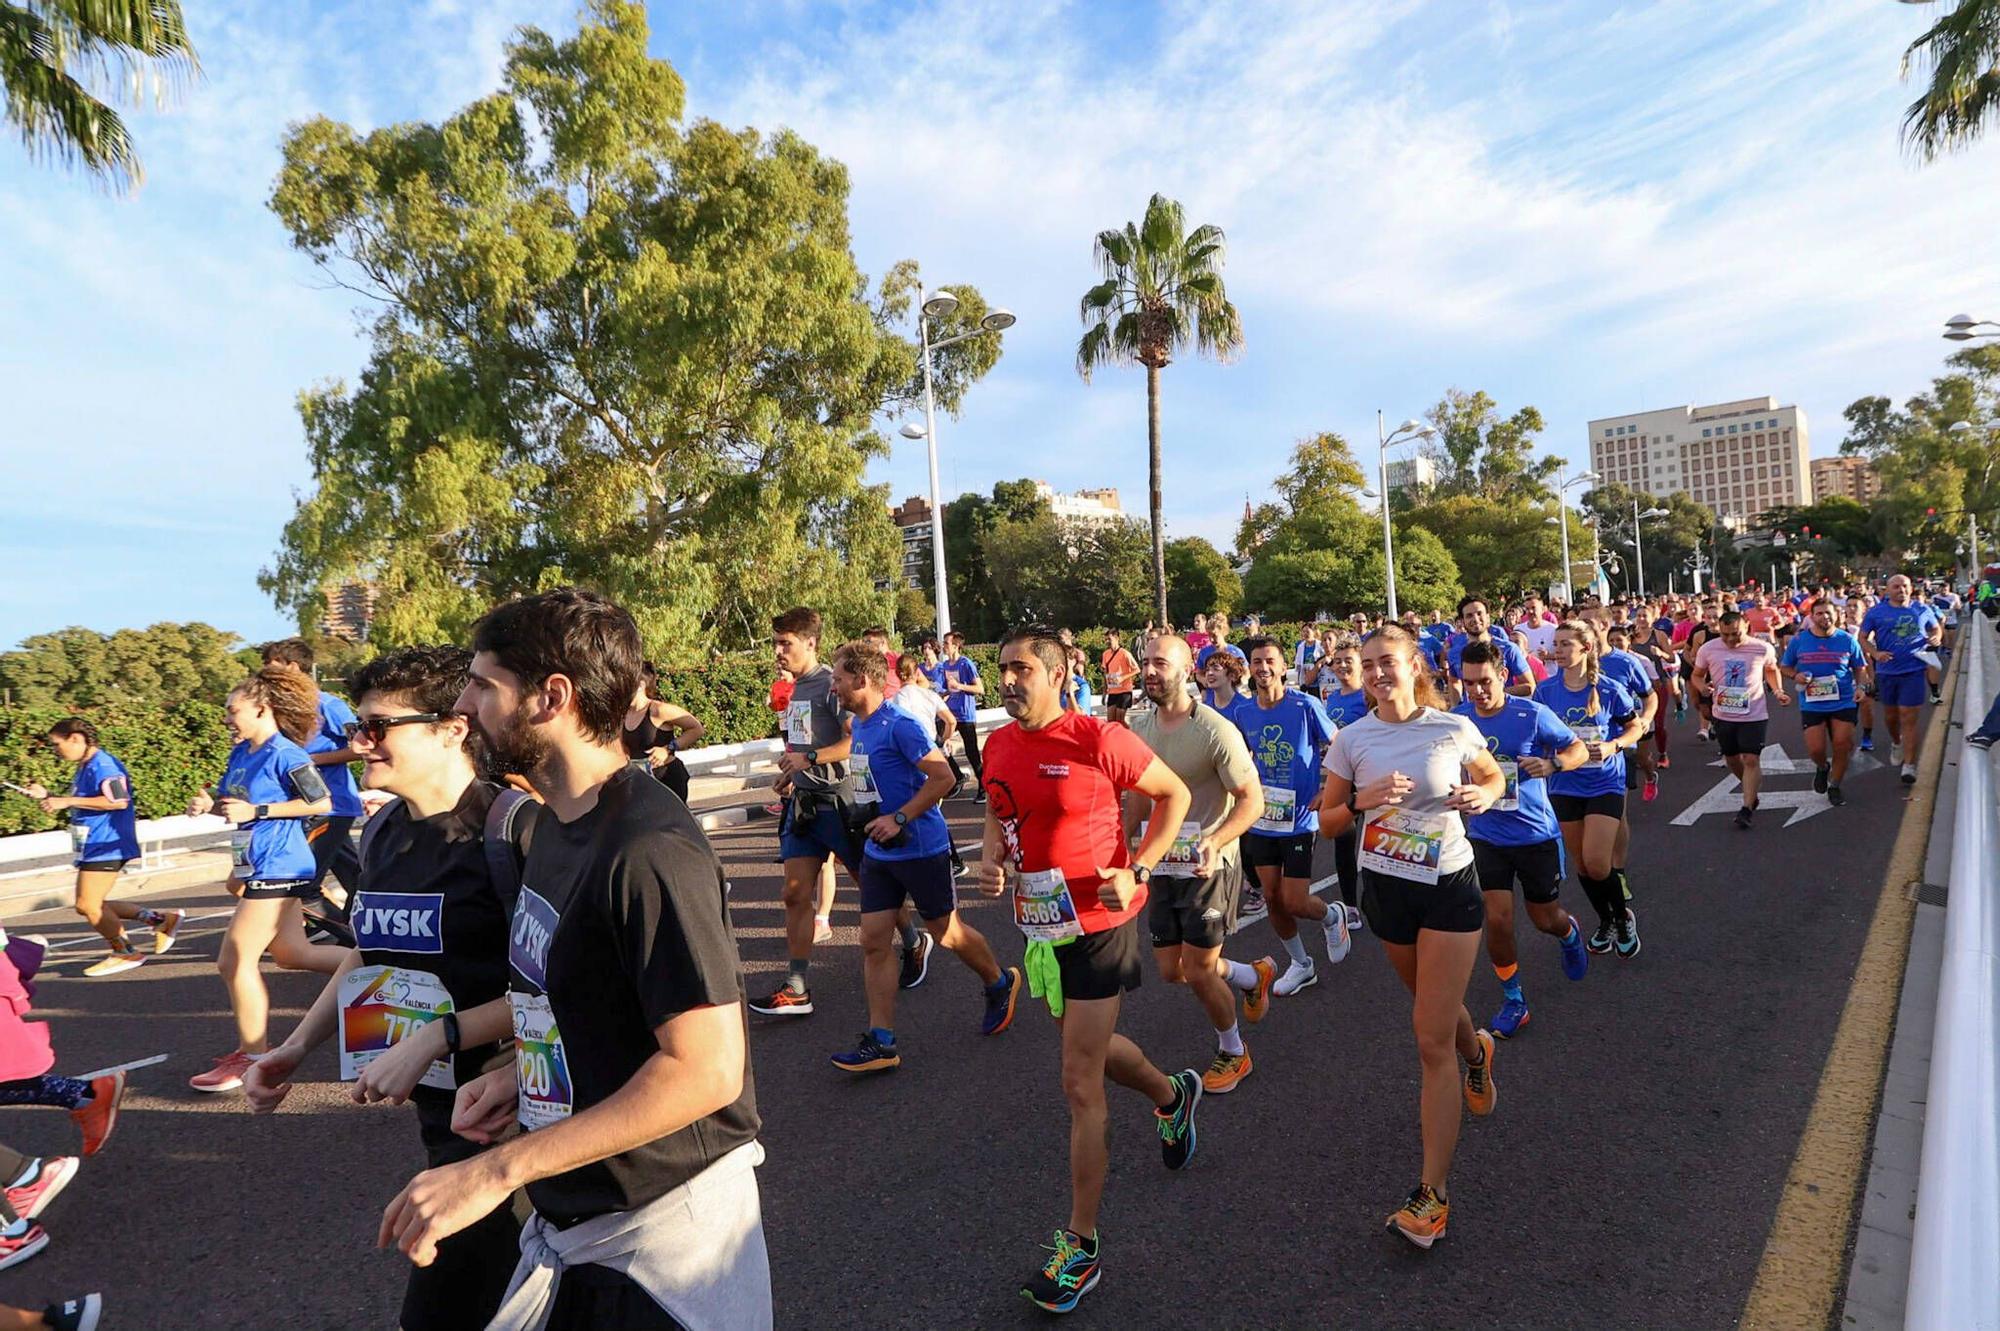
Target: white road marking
point(94, 937)
point(122, 1067)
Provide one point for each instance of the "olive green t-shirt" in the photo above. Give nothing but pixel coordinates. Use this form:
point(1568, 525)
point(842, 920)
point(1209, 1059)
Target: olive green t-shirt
point(1206, 752)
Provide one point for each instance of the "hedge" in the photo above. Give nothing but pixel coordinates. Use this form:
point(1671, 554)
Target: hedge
point(171, 753)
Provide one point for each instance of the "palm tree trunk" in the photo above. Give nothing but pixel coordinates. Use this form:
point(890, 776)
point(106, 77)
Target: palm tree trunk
point(1153, 492)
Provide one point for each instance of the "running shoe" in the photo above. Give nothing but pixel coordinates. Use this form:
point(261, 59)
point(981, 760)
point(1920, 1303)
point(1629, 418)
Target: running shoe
point(1909, 774)
point(1601, 940)
point(1257, 1002)
point(1743, 816)
point(322, 928)
point(1000, 1000)
point(21, 1241)
point(1297, 976)
point(1421, 1218)
point(226, 1075)
point(774, 810)
point(1355, 920)
point(785, 1001)
point(1834, 797)
point(1895, 753)
point(164, 931)
point(959, 869)
point(1702, 735)
point(1226, 1071)
point(1511, 1017)
point(980, 798)
point(1066, 1277)
point(1575, 956)
point(1250, 908)
point(75, 1314)
point(1936, 698)
point(1480, 1092)
point(916, 961)
point(822, 929)
point(1176, 1124)
point(870, 1054)
point(1338, 941)
point(116, 964)
point(97, 1116)
point(1867, 744)
point(1820, 774)
point(1665, 762)
point(1651, 790)
point(1978, 741)
point(1628, 935)
point(52, 1175)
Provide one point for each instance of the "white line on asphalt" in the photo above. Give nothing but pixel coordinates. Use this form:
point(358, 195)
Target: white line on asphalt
point(122, 1067)
point(94, 937)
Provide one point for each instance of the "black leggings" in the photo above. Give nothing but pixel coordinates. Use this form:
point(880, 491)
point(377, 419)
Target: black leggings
point(1347, 863)
point(968, 734)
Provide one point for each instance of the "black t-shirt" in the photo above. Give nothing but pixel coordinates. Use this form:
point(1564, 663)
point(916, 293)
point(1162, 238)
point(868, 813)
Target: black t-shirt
point(622, 924)
point(427, 902)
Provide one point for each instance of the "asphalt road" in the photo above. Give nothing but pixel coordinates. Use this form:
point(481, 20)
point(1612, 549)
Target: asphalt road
point(1646, 1118)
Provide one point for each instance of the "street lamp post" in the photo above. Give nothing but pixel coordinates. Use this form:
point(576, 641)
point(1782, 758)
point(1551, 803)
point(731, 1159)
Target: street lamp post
point(1404, 433)
point(934, 306)
point(1638, 542)
point(1562, 521)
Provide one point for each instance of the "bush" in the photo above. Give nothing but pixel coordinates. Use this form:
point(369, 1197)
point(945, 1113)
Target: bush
point(731, 698)
point(171, 754)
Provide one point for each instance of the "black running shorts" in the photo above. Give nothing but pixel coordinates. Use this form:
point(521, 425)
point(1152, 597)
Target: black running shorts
point(1398, 909)
point(1740, 737)
point(1293, 855)
point(1847, 715)
point(1575, 808)
point(1102, 965)
point(1121, 700)
point(925, 881)
point(1538, 868)
point(1194, 911)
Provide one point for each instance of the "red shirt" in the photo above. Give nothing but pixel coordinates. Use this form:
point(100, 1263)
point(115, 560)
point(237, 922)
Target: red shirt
point(781, 694)
point(894, 681)
point(1055, 793)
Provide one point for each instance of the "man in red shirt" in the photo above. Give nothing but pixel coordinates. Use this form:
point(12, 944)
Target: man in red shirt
point(1055, 836)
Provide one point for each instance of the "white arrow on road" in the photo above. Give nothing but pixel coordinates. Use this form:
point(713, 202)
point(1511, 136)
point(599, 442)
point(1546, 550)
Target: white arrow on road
point(1774, 761)
point(1724, 798)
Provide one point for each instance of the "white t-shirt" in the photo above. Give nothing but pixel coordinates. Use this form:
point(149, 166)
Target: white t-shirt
point(920, 703)
point(1432, 749)
point(1541, 637)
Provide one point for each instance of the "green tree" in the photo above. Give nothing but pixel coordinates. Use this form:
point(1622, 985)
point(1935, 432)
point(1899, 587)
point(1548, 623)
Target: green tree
point(1485, 456)
point(160, 666)
point(614, 349)
point(1829, 536)
point(1670, 541)
point(1502, 548)
point(1200, 579)
point(60, 60)
point(915, 615)
point(1069, 573)
point(1938, 457)
point(1160, 291)
point(1960, 58)
point(976, 606)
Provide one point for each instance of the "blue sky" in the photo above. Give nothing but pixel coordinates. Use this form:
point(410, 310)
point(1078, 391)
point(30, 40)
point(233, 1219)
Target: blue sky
point(1587, 206)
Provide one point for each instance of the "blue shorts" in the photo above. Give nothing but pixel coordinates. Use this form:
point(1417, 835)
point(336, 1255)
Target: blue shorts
point(926, 882)
point(1911, 690)
point(815, 838)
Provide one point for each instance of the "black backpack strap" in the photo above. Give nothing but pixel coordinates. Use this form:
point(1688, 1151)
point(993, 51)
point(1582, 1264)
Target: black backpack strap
point(504, 857)
point(373, 826)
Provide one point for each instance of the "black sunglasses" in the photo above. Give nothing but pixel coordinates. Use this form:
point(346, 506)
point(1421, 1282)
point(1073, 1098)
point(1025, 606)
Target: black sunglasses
point(375, 727)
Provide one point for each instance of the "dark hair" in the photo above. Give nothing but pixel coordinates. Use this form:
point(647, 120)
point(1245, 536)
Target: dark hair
point(862, 657)
point(290, 651)
point(428, 678)
point(1467, 600)
point(1481, 652)
point(955, 636)
point(1043, 642)
point(1730, 617)
point(74, 725)
point(580, 635)
point(1251, 645)
point(290, 697)
point(876, 631)
point(800, 622)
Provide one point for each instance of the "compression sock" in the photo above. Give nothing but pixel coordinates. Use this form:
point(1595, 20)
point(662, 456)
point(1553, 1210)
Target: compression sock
point(1239, 975)
point(1621, 886)
point(47, 1089)
point(909, 933)
point(1510, 981)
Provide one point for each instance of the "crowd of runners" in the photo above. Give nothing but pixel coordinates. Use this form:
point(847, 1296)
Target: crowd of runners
point(533, 930)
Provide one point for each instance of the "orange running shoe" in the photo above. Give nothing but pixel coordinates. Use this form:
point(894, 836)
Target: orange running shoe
point(1421, 1218)
point(164, 931)
point(1258, 1001)
point(226, 1075)
point(98, 1115)
point(1480, 1093)
point(1226, 1071)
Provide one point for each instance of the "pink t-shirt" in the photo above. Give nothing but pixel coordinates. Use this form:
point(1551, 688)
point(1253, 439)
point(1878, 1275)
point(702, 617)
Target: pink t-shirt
point(1736, 678)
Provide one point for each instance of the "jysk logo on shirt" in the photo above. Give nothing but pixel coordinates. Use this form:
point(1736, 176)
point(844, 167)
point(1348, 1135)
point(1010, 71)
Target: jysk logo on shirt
point(399, 922)
point(528, 950)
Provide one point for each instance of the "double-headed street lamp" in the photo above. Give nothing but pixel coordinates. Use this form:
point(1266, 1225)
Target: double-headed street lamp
point(939, 305)
point(1638, 545)
point(1406, 432)
point(1963, 328)
point(1561, 519)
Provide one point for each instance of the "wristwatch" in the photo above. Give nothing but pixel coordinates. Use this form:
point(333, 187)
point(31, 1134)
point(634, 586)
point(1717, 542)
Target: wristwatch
point(902, 819)
point(1142, 873)
point(261, 811)
point(812, 757)
point(450, 1020)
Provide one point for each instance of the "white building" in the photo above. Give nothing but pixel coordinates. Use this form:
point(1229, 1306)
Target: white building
point(1739, 458)
point(1417, 473)
point(1084, 505)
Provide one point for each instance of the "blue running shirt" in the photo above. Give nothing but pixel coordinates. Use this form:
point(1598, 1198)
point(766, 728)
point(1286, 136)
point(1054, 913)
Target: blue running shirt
point(887, 747)
point(1615, 707)
point(110, 834)
point(270, 850)
point(1344, 709)
point(334, 714)
point(1287, 741)
point(1522, 728)
point(1829, 664)
point(1901, 630)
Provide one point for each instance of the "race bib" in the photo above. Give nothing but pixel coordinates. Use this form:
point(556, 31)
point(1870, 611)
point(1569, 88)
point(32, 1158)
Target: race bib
point(799, 725)
point(1280, 810)
point(864, 780)
point(541, 1070)
point(1589, 733)
point(1822, 688)
point(1184, 856)
point(1044, 910)
point(239, 851)
point(381, 1005)
point(1509, 801)
point(1403, 844)
point(1732, 703)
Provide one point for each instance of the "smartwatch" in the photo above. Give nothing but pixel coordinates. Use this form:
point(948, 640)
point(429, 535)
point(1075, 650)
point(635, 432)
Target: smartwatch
point(902, 819)
point(812, 757)
point(450, 1020)
point(1142, 873)
point(261, 811)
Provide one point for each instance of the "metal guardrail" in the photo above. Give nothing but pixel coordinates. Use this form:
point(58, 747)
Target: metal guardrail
point(761, 755)
point(1955, 1247)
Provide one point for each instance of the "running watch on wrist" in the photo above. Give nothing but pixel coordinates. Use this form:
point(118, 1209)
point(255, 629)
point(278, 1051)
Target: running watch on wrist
point(902, 819)
point(812, 757)
point(261, 811)
point(1142, 873)
point(451, 1032)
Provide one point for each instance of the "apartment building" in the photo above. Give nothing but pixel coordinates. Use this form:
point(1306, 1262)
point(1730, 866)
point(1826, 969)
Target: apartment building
point(1851, 478)
point(1739, 458)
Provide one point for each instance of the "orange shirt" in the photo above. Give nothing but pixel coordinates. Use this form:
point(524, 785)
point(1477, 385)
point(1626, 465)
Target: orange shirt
point(1119, 668)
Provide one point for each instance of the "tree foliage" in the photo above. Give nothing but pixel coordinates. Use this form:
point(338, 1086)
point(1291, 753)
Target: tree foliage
point(1061, 571)
point(1501, 548)
point(977, 608)
point(1482, 455)
point(612, 349)
point(1200, 580)
point(1937, 458)
point(1960, 57)
point(1669, 542)
point(164, 665)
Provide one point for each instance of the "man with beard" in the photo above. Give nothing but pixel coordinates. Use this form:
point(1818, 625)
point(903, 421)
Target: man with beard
point(1194, 889)
point(631, 1073)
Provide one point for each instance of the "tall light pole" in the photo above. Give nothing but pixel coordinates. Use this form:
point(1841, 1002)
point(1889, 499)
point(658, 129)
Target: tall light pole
point(1638, 542)
point(1404, 433)
point(1561, 519)
point(932, 307)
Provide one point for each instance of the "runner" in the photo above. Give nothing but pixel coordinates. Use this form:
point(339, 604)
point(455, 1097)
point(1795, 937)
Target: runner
point(900, 778)
point(1826, 662)
point(1411, 773)
point(1864, 700)
point(331, 837)
point(1641, 679)
point(958, 680)
point(1734, 670)
point(892, 683)
point(1287, 732)
point(1902, 636)
point(1704, 630)
point(1519, 838)
point(1346, 701)
point(921, 701)
point(1657, 646)
point(1222, 682)
point(420, 1008)
point(1194, 893)
point(1476, 624)
point(268, 790)
point(1053, 835)
point(651, 724)
point(104, 832)
point(1120, 670)
point(1589, 800)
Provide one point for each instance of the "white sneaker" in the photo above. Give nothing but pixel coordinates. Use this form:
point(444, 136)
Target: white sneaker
point(1297, 976)
point(1895, 752)
point(1909, 774)
point(1355, 919)
point(1338, 941)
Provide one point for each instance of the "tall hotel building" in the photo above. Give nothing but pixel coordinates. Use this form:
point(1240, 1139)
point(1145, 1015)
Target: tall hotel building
point(1739, 458)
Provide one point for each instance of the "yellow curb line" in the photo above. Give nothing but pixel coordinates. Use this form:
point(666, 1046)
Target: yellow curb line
point(1802, 1274)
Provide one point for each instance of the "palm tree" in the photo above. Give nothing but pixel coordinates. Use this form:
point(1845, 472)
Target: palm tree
point(54, 52)
point(1960, 52)
point(1161, 290)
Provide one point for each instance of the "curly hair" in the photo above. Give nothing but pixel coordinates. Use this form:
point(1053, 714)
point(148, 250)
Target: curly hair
point(289, 696)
